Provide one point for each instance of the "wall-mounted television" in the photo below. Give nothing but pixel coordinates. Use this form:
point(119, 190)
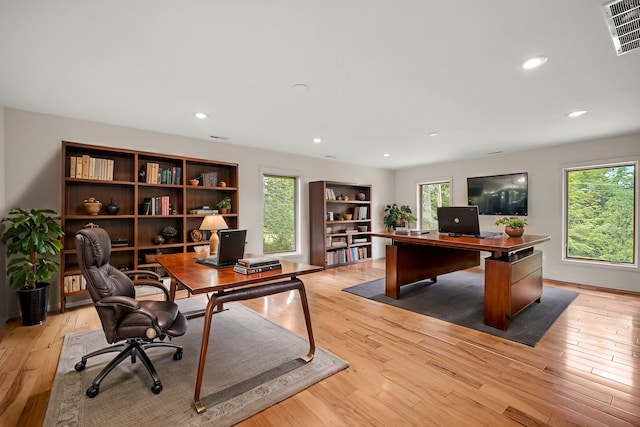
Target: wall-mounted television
point(499, 194)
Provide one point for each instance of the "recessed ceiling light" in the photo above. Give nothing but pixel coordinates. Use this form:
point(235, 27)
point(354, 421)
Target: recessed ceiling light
point(386, 154)
point(434, 133)
point(534, 62)
point(300, 88)
point(200, 115)
point(576, 113)
point(317, 140)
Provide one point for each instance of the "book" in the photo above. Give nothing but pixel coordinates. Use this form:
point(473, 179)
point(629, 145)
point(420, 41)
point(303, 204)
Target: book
point(258, 261)
point(85, 166)
point(72, 170)
point(238, 268)
point(417, 232)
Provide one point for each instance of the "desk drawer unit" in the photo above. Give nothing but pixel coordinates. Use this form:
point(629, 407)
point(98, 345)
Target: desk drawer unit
point(511, 284)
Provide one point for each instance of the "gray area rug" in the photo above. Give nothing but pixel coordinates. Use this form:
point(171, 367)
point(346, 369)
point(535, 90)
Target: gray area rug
point(251, 365)
point(459, 298)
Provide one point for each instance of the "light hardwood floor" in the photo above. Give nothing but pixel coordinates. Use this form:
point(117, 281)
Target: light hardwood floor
point(405, 369)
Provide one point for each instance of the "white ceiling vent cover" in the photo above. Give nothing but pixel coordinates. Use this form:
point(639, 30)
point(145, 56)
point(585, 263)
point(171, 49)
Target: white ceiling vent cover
point(623, 18)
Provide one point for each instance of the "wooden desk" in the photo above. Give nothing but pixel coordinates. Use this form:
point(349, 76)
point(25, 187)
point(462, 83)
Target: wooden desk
point(225, 285)
point(513, 272)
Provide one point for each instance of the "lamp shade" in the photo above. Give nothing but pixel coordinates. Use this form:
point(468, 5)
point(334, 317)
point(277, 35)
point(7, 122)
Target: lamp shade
point(213, 223)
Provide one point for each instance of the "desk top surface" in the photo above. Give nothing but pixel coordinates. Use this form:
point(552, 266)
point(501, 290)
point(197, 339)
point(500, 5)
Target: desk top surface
point(503, 243)
point(198, 278)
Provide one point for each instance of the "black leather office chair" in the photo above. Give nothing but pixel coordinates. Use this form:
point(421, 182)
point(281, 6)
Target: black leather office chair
point(137, 323)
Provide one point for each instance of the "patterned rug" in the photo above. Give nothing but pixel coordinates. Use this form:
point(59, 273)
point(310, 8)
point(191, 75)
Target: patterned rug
point(459, 298)
point(251, 365)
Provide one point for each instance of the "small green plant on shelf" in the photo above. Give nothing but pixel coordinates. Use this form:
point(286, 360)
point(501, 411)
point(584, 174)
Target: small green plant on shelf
point(225, 203)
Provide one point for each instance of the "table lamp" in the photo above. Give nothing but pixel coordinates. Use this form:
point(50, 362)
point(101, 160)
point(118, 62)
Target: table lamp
point(213, 223)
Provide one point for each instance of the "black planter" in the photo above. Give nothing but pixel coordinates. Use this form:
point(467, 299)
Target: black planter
point(33, 304)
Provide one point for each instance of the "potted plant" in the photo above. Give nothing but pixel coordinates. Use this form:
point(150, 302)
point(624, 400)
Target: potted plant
point(169, 233)
point(398, 216)
point(225, 205)
point(514, 227)
point(35, 235)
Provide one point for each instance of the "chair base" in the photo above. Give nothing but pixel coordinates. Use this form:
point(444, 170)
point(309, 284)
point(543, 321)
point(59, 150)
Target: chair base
point(132, 347)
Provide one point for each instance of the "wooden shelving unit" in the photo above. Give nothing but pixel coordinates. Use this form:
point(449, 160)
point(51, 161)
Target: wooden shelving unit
point(337, 239)
point(125, 181)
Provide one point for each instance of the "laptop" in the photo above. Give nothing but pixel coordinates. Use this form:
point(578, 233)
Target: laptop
point(230, 249)
point(462, 221)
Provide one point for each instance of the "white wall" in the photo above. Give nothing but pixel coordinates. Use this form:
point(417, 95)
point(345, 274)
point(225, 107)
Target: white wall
point(4, 287)
point(33, 177)
point(545, 198)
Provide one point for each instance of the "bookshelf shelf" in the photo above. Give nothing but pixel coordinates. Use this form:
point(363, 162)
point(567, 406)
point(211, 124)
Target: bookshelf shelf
point(335, 247)
point(127, 177)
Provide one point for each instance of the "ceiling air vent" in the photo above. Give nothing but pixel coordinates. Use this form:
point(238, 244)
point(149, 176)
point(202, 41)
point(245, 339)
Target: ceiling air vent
point(623, 18)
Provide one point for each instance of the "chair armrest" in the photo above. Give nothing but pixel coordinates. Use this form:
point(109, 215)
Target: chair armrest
point(119, 300)
point(144, 273)
point(130, 303)
point(154, 283)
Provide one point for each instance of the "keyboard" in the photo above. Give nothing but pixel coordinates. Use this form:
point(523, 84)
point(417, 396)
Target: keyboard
point(489, 235)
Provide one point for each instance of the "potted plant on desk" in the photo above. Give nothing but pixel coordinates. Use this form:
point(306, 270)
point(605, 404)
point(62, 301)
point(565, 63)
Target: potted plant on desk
point(514, 227)
point(36, 235)
point(398, 216)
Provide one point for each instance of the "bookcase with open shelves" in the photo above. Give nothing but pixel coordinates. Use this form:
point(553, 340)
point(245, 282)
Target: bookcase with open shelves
point(340, 223)
point(128, 178)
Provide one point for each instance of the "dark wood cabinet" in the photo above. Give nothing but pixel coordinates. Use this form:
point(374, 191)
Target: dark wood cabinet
point(152, 191)
point(340, 223)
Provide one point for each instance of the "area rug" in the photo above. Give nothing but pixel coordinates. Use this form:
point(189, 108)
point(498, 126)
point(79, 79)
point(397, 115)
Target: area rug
point(459, 298)
point(251, 365)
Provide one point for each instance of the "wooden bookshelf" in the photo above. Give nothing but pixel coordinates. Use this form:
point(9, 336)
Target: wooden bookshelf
point(123, 176)
point(337, 239)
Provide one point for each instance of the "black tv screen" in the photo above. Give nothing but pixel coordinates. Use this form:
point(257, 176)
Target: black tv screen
point(499, 194)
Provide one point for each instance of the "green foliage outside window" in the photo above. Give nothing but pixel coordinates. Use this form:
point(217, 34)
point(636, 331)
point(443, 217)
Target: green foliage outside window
point(601, 214)
point(279, 221)
point(432, 196)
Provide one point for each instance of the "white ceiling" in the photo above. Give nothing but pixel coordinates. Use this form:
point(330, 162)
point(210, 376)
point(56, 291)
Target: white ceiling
point(381, 74)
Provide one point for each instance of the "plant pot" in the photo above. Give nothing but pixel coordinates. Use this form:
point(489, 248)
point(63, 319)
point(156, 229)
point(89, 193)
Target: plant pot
point(514, 232)
point(33, 304)
point(398, 224)
point(224, 211)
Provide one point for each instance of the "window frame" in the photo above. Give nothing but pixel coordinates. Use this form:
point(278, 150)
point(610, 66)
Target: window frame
point(601, 164)
point(297, 176)
point(420, 183)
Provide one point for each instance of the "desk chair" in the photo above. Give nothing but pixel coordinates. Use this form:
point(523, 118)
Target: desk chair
point(137, 323)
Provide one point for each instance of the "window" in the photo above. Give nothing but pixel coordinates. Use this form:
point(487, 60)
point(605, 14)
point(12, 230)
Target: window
point(431, 196)
point(600, 213)
point(279, 213)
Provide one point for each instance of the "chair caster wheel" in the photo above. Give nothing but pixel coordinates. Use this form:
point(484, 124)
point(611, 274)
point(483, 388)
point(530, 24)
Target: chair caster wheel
point(177, 355)
point(156, 388)
point(80, 366)
point(93, 391)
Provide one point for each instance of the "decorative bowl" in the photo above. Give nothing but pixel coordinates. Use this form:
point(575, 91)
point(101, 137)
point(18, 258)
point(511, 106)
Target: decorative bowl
point(194, 182)
point(92, 208)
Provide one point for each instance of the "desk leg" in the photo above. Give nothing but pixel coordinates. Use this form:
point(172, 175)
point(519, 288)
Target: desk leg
point(172, 289)
point(245, 294)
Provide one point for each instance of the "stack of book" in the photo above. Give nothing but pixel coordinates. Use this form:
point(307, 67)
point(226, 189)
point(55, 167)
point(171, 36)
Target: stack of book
point(256, 265)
